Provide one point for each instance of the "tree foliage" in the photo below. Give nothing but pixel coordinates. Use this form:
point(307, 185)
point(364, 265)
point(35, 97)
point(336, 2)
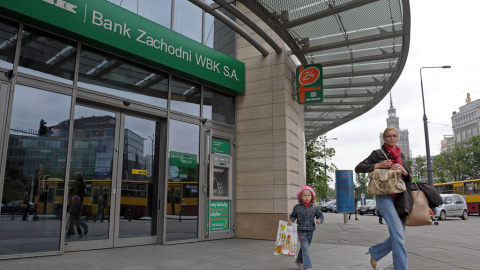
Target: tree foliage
point(459, 163)
point(317, 168)
point(419, 168)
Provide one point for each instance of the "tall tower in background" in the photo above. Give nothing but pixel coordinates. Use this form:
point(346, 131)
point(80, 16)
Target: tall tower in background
point(393, 121)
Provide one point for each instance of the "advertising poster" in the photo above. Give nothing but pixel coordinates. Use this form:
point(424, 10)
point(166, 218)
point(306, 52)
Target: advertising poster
point(219, 215)
point(344, 187)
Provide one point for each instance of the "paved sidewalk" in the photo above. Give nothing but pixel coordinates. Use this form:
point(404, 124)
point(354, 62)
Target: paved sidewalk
point(335, 246)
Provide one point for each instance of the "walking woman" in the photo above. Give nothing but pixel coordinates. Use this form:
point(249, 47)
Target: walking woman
point(385, 203)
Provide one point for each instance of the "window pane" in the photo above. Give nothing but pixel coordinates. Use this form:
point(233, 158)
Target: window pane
point(35, 169)
point(185, 97)
point(218, 35)
point(188, 20)
point(183, 172)
point(47, 56)
point(8, 43)
point(112, 75)
point(218, 106)
point(159, 11)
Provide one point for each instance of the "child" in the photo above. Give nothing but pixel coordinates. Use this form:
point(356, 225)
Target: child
point(305, 213)
point(74, 219)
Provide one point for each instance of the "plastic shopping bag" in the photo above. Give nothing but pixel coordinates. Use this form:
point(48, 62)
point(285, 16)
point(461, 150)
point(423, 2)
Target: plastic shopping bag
point(287, 239)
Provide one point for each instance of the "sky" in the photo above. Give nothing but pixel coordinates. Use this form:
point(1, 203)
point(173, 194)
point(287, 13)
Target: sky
point(442, 33)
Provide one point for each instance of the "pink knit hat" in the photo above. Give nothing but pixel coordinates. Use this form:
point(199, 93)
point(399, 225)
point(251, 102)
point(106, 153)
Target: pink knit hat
point(306, 188)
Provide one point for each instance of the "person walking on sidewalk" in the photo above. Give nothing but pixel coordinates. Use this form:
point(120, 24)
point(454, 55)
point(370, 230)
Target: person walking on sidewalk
point(355, 202)
point(395, 243)
point(79, 190)
point(305, 213)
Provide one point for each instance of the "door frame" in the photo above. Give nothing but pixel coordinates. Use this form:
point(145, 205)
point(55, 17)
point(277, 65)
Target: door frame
point(206, 197)
point(114, 239)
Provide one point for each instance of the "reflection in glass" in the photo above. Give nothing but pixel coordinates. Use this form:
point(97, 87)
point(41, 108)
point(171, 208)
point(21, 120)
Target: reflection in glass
point(218, 106)
point(188, 20)
point(8, 42)
point(185, 97)
point(159, 11)
point(219, 36)
point(138, 178)
point(35, 171)
point(47, 56)
point(182, 192)
point(112, 75)
point(91, 169)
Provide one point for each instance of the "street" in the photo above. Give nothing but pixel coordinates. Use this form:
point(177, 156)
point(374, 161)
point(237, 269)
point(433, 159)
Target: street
point(453, 244)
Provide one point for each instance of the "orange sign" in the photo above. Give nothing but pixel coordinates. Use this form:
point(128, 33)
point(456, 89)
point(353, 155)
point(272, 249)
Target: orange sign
point(309, 76)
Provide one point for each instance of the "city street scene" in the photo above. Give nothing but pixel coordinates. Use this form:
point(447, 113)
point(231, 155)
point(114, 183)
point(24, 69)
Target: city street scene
point(247, 134)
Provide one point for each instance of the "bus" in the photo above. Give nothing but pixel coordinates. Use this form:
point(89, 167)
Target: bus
point(135, 196)
point(469, 189)
point(182, 198)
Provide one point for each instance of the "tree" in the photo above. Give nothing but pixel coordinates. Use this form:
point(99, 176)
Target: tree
point(316, 155)
point(419, 168)
point(362, 181)
point(472, 148)
point(459, 163)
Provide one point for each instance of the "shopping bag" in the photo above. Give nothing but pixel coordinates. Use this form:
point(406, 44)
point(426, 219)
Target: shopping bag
point(287, 239)
point(420, 214)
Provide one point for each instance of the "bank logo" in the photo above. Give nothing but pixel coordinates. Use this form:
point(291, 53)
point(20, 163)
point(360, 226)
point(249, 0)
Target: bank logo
point(309, 76)
point(63, 5)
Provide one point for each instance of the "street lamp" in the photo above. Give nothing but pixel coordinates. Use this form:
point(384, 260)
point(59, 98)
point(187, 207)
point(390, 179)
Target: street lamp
point(425, 126)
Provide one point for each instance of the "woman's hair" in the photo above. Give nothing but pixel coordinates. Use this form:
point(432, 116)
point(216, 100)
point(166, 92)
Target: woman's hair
point(388, 129)
point(300, 197)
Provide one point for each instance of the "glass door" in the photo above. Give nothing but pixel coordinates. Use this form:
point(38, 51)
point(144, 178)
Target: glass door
point(113, 180)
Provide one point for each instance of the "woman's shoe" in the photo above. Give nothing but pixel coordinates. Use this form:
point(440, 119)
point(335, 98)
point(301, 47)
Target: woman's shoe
point(299, 265)
point(373, 263)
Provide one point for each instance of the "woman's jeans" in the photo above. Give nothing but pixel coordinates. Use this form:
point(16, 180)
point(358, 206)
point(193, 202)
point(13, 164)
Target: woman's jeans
point(305, 238)
point(396, 241)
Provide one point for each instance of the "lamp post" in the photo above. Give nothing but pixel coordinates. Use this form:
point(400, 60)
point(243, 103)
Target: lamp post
point(425, 127)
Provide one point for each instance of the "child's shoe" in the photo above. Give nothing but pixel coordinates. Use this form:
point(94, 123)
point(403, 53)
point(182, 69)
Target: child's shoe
point(299, 265)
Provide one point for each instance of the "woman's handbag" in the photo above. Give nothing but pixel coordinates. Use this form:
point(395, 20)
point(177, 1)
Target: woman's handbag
point(24, 206)
point(420, 214)
point(287, 239)
point(385, 181)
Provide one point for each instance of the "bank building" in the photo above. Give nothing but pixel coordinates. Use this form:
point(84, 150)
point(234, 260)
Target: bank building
point(181, 116)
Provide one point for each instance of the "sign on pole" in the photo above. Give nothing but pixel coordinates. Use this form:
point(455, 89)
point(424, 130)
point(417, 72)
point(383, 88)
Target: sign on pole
point(344, 187)
point(309, 84)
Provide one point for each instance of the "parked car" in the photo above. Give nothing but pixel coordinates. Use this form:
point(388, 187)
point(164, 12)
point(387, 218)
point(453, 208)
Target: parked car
point(369, 208)
point(325, 206)
point(13, 207)
point(330, 207)
point(454, 205)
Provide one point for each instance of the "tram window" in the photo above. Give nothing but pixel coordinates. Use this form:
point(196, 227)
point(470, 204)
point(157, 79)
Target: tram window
point(468, 188)
point(177, 196)
point(476, 188)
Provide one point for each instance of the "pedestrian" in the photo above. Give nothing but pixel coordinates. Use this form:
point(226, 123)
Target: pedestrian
point(25, 207)
point(79, 190)
point(385, 203)
point(305, 213)
point(100, 208)
point(74, 218)
point(380, 216)
point(355, 205)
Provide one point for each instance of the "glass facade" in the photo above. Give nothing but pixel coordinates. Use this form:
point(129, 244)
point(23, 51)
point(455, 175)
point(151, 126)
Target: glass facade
point(35, 171)
point(112, 167)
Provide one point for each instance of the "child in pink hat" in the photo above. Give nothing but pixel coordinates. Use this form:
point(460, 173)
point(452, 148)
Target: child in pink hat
point(307, 214)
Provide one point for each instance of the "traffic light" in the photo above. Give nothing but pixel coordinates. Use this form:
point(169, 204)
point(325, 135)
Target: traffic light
point(42, 130)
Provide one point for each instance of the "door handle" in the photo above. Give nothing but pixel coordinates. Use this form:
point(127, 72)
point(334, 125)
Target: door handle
point(205, 188)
